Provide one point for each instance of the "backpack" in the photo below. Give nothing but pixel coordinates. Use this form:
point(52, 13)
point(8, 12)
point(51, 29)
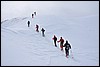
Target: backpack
point(42, 30)
point(62, 40)
point(68, 46)
point(28, 22)
point(55, 38)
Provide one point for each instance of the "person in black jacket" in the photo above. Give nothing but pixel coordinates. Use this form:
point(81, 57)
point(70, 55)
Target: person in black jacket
point(28, 23)
point(42, 32)
point(35, 13)
point(32, 15)
point(55, 39)
point(67, 47)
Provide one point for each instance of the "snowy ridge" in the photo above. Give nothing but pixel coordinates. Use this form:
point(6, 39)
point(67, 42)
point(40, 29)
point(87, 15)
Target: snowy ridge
point(30, 46)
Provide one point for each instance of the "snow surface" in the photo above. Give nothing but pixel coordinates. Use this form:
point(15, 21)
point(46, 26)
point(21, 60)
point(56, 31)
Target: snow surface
point(23, 46)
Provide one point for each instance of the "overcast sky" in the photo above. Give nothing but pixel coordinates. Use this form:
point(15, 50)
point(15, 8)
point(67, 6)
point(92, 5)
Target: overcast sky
point(12, 9)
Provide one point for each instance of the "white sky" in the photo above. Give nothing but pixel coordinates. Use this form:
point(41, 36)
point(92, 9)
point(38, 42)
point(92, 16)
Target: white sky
point(12, 9)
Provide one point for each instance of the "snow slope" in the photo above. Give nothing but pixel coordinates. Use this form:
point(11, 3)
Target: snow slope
point(22, 45)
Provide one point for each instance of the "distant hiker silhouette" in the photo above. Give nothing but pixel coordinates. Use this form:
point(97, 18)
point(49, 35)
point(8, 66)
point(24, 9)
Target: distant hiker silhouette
point(61, 43)
point(37, 27)
point(43, 32)
point(28, 23)
point(55, 39)
point(67, 47)
point(35, 13)
point(32, 15)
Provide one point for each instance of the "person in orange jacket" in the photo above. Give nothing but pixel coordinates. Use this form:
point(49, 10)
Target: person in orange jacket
point(61, 43)
point(55, 39)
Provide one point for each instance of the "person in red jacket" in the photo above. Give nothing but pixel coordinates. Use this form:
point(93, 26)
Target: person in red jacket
point(61, 43)
point(32, 15)
point(37, 27)
point(55, 39)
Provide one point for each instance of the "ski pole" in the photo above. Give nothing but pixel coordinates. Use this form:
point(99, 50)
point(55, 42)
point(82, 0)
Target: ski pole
point(71, 53)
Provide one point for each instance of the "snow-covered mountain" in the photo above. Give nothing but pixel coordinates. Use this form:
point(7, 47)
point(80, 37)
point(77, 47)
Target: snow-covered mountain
point(23, 46)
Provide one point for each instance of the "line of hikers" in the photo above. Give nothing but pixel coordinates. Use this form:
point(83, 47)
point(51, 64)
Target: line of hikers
point(66, 45)
point(37, 29)
point(43, 30)
point(32, 17)
point(37, 26)
point(33, 14)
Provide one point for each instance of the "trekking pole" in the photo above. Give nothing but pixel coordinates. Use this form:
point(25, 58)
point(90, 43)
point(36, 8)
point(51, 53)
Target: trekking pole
point(71, 53)
point(74, 57)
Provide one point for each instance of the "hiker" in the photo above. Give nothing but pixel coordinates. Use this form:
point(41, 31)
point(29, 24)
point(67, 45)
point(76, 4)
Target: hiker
point(37, 28)
point(55, 39)
point(67, 47)
point(28, 23)
point(61, 43)
point(35, 13)
point(42, 32)
point(32, 15)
